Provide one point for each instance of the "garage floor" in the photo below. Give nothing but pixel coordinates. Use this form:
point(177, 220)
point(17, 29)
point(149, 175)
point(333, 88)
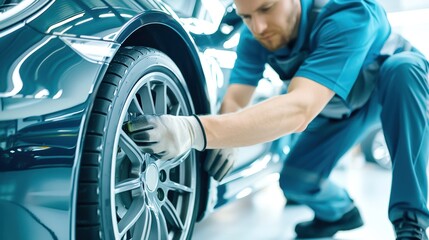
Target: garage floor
point(263, 215)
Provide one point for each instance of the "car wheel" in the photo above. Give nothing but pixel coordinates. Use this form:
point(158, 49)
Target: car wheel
point(375, 149)
point(124, 193)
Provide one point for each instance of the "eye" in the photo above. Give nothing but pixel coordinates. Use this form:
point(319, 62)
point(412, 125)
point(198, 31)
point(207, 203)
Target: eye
point(266, 9)
point(245, 17)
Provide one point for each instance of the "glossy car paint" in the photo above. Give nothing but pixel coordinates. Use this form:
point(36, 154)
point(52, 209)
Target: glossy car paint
point(46, 93)
point(52, 63)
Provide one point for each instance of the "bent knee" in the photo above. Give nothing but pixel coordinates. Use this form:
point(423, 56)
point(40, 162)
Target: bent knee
point(404, 67)
point(403, 72)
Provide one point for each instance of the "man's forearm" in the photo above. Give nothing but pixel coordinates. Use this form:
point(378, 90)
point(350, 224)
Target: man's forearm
point(262, 122)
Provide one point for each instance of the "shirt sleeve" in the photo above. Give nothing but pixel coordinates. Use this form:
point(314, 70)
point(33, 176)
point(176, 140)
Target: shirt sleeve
point(340, 42)
point(251, 58)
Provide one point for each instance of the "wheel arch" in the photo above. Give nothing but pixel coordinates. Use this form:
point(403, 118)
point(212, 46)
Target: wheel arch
point(161, 31)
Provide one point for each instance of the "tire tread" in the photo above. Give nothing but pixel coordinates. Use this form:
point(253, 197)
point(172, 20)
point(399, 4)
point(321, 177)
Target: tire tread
point(88, 224)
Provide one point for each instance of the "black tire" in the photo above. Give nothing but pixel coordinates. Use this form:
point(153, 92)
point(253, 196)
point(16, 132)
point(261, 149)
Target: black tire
point(375, 150)
point(122, 192)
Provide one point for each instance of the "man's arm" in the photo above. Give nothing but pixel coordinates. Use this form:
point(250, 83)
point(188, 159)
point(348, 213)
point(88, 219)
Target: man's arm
point(237, 97)
point(268, 120)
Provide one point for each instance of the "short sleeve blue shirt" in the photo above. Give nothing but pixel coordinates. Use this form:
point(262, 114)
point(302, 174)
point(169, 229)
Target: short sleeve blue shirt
point(345, 36)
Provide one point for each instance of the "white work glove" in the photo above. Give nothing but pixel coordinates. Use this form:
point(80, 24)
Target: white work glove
point(219, 163)
point(166, 136)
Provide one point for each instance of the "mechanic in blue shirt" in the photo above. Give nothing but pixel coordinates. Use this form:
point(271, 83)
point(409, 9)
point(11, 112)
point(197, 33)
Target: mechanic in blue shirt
point(346, 72)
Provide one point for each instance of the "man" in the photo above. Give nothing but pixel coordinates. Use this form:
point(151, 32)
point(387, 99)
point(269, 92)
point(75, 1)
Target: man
point(345, 75)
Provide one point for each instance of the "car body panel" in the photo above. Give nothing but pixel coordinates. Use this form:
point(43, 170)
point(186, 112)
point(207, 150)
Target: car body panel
point(101, 20)
point(46, 93)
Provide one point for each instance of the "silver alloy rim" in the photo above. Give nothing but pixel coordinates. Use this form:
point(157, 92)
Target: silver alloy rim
point(150, 198)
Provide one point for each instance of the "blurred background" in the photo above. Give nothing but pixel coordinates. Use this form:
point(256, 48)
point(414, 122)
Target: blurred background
point(364, 170)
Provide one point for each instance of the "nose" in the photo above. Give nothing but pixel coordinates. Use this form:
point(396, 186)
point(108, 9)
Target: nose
point(259, 25)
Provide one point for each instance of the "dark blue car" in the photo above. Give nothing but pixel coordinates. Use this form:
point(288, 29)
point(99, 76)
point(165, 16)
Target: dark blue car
point(71, 73)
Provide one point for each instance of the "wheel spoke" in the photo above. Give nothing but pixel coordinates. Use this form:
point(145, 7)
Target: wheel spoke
point(160, 98)
point(142, 228)
point(147, 100)
point(178, 187)
point(175, 109)
point(135, 106)
point(172, 215)
point(174, 162)
point(127, 185)
point(120, 157)
point(131, 149)
point(133, 214)
point(162, 225)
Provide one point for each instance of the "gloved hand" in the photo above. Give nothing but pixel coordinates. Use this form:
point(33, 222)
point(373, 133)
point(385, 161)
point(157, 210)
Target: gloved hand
point(166, 136)
point(219, 163)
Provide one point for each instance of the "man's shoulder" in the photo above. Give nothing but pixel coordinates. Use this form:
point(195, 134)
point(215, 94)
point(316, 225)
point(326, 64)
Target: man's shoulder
point(340, 8)
point(347, 15)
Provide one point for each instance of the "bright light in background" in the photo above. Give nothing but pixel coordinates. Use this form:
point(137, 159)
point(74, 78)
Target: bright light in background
point(226, 29)
point(207, 18)
point(243, 193)
point(58, 94)
point(256, 166)
point(409, 18)
point(414, 26)
point(226, 59)
point(42, 93)
point(232, 42)
point(216, 10)
point(286, 150)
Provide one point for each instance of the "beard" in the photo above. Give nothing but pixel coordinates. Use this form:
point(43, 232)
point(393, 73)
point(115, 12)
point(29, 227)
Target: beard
point(272, 43)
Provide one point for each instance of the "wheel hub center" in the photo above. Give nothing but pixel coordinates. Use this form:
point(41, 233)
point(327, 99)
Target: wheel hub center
point(152, 177)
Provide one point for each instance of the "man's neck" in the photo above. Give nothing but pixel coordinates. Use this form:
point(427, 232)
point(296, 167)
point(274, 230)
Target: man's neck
point(297, 6)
